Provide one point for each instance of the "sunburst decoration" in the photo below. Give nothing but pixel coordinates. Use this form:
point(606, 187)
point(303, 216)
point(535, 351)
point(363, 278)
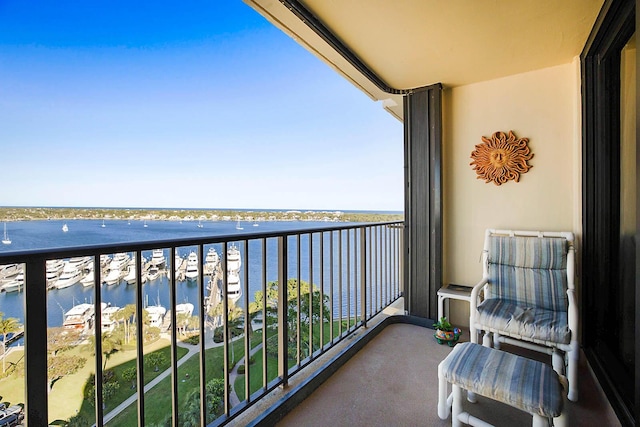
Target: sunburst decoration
point(501, 158)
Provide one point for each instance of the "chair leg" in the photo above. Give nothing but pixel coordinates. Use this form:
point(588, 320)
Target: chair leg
point(496, 341)
point(443, 406)
point(486, 339)
point(572, 374)
point(457, 406)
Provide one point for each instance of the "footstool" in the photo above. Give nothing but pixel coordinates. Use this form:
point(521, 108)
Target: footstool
point(526, 384)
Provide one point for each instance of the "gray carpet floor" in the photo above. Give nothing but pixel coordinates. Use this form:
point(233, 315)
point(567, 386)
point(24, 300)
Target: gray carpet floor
point(393, 381)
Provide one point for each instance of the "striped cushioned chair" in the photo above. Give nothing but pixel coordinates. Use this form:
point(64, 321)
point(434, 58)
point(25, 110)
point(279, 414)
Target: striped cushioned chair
point(527, 297)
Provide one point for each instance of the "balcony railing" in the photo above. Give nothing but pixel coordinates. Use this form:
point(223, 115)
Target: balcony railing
point(299, 293)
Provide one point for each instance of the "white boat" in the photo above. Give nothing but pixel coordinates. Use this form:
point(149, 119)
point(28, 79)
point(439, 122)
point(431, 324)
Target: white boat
point(103, 225)
point(104, 260)
point(16, 285)
point(89, 279)
point(156, 315)
point(113, 276)
point(65, 228)
point(234, 289)
point(145, 223)
point(54, 270)
point(69, 277)
point(9, 271)
point(153, 273)
point(157, 258)
point(81, 317)
point(192, 266)
point(233, 259)
point(119, 263)
point(238, 226)
point(212, 257)
point(184, 308)
point(107, 321)
point(6, 240)
point(80, 262)
point(255, 224)
point(200, 224)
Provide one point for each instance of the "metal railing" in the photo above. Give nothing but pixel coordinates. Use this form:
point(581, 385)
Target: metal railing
point(303, 291)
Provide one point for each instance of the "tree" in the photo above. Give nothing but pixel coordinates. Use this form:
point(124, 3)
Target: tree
point(61, 339)
point(111, 343)
point(61, 365)
point(7, 326)
point(130, 374)
point(309, 311)
point(155, 359)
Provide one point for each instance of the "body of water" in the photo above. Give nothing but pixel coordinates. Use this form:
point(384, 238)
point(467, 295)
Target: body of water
point(49, 234)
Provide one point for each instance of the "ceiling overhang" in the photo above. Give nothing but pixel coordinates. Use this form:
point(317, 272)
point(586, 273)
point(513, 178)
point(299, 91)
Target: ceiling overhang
point(408, 44)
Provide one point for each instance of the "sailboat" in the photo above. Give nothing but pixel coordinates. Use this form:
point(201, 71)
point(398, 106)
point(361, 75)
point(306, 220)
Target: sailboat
point(238, 226)
point(145, 223)
point(200, 224)
point(65, 228)
point(103, 224)
point(6, 240)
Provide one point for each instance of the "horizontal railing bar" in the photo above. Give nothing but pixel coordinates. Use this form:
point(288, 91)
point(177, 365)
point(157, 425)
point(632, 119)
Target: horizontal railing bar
point(148, 245)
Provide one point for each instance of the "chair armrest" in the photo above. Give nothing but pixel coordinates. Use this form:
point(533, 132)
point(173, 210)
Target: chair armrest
point(572, 313)
point(475, 293)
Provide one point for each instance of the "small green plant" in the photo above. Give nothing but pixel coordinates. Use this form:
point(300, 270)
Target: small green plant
point(444, 325)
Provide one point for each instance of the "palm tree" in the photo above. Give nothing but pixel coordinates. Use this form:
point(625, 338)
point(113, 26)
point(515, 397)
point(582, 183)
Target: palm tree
point(7, 326)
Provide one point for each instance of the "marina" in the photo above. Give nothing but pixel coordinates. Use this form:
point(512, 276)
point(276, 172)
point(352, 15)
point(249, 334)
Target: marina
point(157, 266)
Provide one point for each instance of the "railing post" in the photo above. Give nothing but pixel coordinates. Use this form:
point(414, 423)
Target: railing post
point(35, 342)
point(363, 276)
point(283, 330)
point(139, 340)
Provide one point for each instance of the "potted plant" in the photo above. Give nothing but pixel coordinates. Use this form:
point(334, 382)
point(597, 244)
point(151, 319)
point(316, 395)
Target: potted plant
point(445, 332)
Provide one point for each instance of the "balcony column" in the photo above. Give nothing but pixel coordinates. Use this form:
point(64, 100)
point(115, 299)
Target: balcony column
point(35, 342)
point(423, 200)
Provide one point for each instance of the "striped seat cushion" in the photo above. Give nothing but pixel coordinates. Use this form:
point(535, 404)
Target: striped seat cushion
point(529, 271)
point(515, 380)
point(530, 323)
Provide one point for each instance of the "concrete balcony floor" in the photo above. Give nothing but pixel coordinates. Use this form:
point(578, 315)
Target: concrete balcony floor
point(392, 381)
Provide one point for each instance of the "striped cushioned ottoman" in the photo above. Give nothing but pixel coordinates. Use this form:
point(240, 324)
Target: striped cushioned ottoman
point(523, 383)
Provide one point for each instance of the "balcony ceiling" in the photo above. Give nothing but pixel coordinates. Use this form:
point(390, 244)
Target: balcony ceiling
point(414, 43)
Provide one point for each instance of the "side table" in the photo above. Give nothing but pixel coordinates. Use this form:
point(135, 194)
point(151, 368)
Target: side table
point(457, 292)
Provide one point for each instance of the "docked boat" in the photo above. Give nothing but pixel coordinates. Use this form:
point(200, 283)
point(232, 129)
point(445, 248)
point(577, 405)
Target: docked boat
point(80, 262)
point(6, 240)
point(15, 285)
point(185, 308)
point(158, 259)
point(121, 261)
point(212, 257)
point(107, 319)
point(233, 259)
point(131, 278)
point(89, 279)
point(113, 276)
point(156, 315)
point(192, 266)
point(10, 271)
point(70, 276)
point(234, 289)
point(153, 273)
point(81, 317)
point(54, 270)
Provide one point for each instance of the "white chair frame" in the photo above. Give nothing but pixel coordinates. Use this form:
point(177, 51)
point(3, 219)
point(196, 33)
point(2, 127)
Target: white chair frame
point(564, 356)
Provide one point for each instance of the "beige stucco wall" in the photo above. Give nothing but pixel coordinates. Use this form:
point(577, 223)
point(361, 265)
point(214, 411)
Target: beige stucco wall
point(541, 105)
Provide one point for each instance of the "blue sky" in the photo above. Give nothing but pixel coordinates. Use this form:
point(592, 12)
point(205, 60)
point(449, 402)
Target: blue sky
point(198, 104)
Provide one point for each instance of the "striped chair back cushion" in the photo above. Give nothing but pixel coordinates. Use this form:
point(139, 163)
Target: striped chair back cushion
point(529, 271)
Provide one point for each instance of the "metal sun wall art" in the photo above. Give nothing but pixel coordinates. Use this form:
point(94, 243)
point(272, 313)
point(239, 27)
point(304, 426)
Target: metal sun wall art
point(501, 158)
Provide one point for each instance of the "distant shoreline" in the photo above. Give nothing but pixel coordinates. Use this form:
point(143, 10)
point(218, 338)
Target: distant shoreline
point(12, 214)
